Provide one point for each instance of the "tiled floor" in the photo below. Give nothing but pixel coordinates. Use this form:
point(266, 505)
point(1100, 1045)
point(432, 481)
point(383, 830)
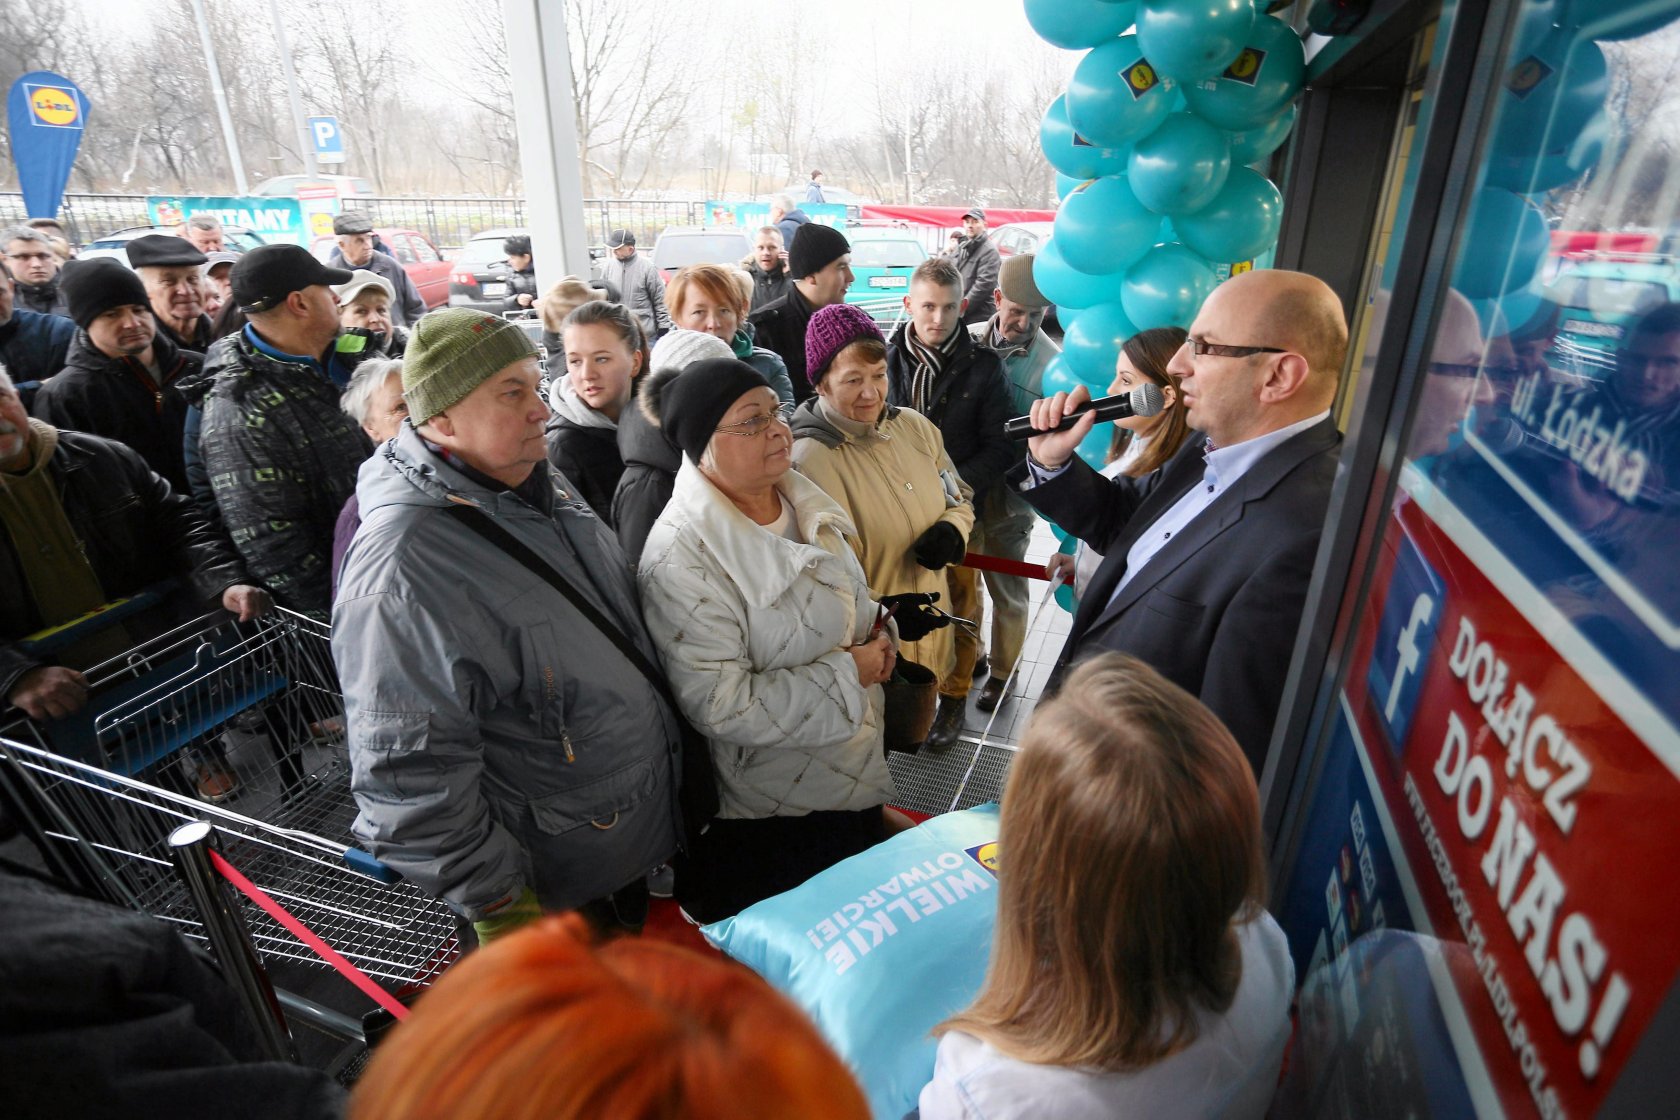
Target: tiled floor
point(973, 771)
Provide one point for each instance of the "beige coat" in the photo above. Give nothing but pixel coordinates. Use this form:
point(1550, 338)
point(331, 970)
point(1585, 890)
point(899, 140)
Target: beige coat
point(894, 481)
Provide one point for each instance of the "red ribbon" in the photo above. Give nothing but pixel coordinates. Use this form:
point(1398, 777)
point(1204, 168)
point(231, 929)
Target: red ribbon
point(1007, 567)
point(304, 934)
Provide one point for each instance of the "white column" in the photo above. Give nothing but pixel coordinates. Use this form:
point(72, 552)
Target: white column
point(539, 59)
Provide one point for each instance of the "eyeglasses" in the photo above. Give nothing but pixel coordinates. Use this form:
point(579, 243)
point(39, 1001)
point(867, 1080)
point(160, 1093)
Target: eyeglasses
point(759, 424)
point(1201, 347)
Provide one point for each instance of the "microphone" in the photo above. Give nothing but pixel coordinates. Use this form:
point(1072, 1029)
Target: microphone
point(1145, 400)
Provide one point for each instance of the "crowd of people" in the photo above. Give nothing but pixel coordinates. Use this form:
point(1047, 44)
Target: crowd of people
point(632, 636)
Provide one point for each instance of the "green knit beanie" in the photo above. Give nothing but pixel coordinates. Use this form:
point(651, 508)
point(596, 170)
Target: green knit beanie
point(453, 351)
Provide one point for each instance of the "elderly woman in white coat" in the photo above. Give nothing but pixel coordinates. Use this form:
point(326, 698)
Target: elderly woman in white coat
point(771, 641)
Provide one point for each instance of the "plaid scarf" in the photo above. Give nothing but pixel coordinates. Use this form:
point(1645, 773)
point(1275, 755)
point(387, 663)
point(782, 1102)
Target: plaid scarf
point(930, 363)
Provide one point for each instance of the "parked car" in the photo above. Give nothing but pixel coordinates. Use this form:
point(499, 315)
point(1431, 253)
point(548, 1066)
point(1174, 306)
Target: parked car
point(115, 244)
point(286, 186)
point(1598, 301)
point(684, 245)
point(882, 260)
point(478, 275)
point(425, 265)
point(1021, 237)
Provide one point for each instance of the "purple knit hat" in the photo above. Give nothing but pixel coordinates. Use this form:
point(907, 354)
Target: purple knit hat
point(831, 330)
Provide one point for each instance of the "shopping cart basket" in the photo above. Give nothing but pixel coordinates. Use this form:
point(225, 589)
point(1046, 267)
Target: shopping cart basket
point(100, 794)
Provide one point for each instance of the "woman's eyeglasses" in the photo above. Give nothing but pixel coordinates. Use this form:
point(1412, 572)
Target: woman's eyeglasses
point(759, 424)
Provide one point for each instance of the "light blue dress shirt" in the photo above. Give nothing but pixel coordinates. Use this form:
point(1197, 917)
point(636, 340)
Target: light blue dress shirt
point(1225, 466)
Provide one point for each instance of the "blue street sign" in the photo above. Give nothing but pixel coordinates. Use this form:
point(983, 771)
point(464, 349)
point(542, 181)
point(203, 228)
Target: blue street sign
point(47, 113)
point(328, 139)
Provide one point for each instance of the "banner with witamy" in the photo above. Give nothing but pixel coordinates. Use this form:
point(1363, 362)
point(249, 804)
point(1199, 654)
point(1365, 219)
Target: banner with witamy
point(272, 219)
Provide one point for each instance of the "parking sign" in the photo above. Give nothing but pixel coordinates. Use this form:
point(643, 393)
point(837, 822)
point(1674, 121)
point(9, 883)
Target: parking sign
point(328, 138)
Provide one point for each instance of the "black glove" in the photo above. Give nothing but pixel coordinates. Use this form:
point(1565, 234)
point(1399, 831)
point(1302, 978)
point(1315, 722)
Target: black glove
point(916, 615)
point(940, 544)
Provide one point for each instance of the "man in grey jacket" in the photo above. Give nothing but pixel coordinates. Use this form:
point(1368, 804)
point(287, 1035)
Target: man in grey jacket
point(506, 755)
point(978, 261)
point(639, 284)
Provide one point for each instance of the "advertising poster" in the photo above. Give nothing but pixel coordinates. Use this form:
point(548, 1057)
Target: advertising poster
point(272, 219)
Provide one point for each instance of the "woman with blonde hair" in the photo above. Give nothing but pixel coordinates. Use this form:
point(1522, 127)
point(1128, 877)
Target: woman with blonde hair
point(1142, 444)
point(543, 1024)
point(1134, 971)
point(714, 298)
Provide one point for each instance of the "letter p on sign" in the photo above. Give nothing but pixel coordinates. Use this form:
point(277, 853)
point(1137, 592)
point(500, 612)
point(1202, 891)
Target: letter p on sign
point(328, 139)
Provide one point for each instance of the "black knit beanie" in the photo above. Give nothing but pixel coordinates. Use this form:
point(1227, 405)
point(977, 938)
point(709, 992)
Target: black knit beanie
point(94, 287)
point(814, 248)
point(691, 406)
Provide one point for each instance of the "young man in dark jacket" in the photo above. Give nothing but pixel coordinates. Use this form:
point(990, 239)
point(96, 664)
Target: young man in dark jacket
point(934, 367)
point(119, 377)
point(34, 268)
point(281, 455)
point(820, 263)
point(768, 267)
point(522, 274)
point(32, 346)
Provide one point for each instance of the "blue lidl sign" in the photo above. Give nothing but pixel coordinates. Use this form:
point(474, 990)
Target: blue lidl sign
point(47, 113)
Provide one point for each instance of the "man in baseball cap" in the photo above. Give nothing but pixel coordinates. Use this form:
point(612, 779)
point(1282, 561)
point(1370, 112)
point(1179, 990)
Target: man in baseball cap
point(358, 247)
point(978, 261)
point(280, 455)
point(640, 287)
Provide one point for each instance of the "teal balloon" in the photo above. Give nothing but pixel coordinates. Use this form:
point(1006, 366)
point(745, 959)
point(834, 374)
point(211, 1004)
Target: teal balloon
point(1115, 96)
point(1072, 154)
point(1076, 24)
point(1091, 346)
point(1536, 174)
point(1068, 543)
point(1167, 287)
point(1549, 96)
point(1067, 287)
point(1263, 78)
point(1193, 40)
point(1180, 167)
point(1505, 242)
point(1059, 377)
point(1508, 313)
point(1094, 447)
point(1252, 145)
point(1239, 224)
point(1064, 184)
point(1616, 20)
point(1102, 227)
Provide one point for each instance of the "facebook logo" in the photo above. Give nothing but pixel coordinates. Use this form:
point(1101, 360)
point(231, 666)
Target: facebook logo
point(1405, 641)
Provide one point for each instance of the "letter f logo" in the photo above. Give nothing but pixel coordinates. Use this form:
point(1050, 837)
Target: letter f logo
point(1408, 652)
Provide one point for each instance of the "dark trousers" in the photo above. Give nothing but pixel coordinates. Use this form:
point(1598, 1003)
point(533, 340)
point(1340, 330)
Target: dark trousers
point(736, 863)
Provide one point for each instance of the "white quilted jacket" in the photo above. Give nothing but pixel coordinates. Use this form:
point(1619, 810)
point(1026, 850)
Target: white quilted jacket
point(753, 631)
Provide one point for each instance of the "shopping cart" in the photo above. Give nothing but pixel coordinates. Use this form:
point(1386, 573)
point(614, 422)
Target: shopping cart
point(101, 793)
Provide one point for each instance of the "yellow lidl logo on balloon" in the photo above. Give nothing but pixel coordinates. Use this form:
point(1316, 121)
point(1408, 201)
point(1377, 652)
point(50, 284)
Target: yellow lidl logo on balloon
point(986, 855)
point(54, 106)
point(1140, 78)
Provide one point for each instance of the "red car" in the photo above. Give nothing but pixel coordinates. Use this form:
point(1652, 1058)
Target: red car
point(418, 256)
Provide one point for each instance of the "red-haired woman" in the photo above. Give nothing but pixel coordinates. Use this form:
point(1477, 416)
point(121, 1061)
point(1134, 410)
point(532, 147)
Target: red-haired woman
point(1141, 443)
point(1134, 971)
point(543, 1025)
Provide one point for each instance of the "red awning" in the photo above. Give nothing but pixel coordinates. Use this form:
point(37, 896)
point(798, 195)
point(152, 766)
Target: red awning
point(951, 216)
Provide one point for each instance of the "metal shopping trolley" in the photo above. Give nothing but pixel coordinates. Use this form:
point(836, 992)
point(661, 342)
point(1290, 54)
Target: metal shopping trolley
point(100, 794)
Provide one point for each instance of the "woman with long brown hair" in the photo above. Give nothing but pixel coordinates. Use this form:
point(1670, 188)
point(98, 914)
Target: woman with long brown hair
point(1141, 443)
point(1134, 971)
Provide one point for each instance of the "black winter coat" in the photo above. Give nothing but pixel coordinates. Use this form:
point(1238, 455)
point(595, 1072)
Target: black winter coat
point(43, 299)
point(106, 1014)
point(589, 459)
point(768, 287)
point(135, 532)
point(282, 458)
point(644, 489)
point(780, 326)
point(33, 348)
point(116, 398)
point(520, 284)
point(971, 403)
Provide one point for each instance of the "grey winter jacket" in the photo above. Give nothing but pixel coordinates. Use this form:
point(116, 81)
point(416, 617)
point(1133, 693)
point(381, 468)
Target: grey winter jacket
point(640, 288)
point(979, 263)
point(498, 740)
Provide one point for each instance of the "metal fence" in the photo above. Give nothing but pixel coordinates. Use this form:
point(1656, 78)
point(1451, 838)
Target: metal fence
point(448, 222)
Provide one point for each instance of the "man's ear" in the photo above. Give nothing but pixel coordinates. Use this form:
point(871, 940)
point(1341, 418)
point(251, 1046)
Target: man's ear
point(1285, 377)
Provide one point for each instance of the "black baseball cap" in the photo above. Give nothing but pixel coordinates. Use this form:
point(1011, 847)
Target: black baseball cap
point(620, 237)
point(975, 212)
point(352, 223)
point(266, 275)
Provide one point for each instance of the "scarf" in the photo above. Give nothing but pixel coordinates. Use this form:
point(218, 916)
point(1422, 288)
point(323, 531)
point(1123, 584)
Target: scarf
point(930, 363)
point(62, 584)
point(742, 345)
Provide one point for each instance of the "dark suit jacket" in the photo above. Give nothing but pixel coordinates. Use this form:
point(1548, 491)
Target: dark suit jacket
point(1216, 610)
